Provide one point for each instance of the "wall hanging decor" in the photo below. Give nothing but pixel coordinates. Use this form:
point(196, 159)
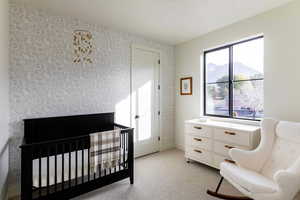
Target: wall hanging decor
point(186, 86)
point(82, 41)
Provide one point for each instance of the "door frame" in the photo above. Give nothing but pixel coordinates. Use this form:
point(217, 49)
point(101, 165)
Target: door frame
point(134, 47)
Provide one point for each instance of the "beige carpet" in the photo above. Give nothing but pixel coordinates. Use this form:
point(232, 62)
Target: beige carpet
point(164, 176)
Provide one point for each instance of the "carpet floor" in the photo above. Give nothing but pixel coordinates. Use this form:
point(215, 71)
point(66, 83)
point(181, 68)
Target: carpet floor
point(164, 176)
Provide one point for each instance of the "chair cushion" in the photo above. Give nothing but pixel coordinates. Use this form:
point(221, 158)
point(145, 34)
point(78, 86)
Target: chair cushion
point(249, 180)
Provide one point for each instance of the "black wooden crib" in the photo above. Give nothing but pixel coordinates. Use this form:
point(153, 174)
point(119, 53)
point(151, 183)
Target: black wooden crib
point(55, 156)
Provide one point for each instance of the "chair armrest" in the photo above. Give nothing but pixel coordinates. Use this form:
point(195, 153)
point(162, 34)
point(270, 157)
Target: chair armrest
point(288, 182)
point(284, 178)
point(289, 177)
point(245, 159)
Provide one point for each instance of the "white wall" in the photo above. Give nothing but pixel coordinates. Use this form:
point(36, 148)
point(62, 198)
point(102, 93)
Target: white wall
point(4, 105)
point(281, 29)
point(44, 81)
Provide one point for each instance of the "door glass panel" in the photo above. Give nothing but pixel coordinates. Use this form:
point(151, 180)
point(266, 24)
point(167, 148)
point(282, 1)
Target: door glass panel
point(248, 60)
point(217, 66)
point(217, 99)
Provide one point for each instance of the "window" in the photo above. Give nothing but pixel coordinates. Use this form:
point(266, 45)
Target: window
point(233, 80)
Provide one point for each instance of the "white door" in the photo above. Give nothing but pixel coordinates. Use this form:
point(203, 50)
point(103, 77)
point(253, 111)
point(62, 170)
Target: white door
point(145, 100)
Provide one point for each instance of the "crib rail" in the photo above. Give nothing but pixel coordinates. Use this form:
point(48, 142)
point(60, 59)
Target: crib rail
point(66, 163)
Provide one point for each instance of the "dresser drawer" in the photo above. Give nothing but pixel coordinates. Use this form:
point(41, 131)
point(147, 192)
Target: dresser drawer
point(199, 155)
point(199, 142)
point(223, 148)
point(218, 159)
point(234, 137)
point(198, 130)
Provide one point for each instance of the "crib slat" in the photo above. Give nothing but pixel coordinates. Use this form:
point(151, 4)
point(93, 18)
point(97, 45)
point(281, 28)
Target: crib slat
point(40, 171)
point(70, 147)
point(115, 166)
point(94, 171)
point(82, 162)
point(55, 168)
point(99, 159)
point(63, 167)
point(121, 158)
point(89, 167)
point(119, 161)
point(110, 151)
point(76, 163)
point(124, 151)
point(48, 171)
point(126, 144)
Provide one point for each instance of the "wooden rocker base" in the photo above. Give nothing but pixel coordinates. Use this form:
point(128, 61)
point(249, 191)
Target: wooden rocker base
point(224, 196)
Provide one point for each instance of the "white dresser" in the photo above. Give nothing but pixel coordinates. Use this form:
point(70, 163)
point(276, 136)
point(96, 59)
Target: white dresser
point(209, 142)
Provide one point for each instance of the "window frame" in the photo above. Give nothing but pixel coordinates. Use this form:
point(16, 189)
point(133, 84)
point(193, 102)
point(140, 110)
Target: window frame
point(230, 81)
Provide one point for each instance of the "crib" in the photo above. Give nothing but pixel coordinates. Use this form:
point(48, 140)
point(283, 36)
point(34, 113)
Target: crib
point(55, 156)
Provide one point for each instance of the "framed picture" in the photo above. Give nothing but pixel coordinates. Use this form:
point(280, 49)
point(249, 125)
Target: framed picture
point(186, 86)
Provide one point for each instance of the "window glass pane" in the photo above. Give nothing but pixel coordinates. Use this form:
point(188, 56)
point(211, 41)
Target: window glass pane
point(248, 99)
point(248, 60)
point(217, 99)
point(217, 66)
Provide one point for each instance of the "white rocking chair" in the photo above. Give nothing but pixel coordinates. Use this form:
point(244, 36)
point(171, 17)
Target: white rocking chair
point(272, 170)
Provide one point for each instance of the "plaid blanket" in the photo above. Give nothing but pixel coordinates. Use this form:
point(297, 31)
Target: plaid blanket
point(104, 150)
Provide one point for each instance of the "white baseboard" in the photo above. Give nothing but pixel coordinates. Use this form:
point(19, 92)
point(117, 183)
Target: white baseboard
point(179, 146)
point(167, 146)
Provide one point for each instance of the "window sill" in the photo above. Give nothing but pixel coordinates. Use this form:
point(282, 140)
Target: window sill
point(231, 120)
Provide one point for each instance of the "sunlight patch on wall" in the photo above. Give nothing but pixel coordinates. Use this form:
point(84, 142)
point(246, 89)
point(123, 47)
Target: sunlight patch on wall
point(145, 111)
point(122, 112)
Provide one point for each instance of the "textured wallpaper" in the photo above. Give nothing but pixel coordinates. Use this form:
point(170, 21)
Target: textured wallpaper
point(45, 82)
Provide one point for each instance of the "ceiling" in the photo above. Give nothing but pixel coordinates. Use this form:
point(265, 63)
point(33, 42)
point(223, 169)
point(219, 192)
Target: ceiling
point(169, 21)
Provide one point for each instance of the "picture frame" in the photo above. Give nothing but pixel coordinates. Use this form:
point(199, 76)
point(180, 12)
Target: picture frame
point(186, 86)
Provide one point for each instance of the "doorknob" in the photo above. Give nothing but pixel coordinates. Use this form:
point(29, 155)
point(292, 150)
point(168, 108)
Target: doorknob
point(137, 117)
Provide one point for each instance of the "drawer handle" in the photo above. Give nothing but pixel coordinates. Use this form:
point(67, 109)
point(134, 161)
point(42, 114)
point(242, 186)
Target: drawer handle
point(228, 147)
point(230, 133)
point(198, 139)
point(198, 151)
point(198, 127)
point(230, 161)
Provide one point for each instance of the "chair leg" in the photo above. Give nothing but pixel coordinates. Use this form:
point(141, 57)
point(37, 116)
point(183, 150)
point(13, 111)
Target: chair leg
point(219, 184)
point(224, 196)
